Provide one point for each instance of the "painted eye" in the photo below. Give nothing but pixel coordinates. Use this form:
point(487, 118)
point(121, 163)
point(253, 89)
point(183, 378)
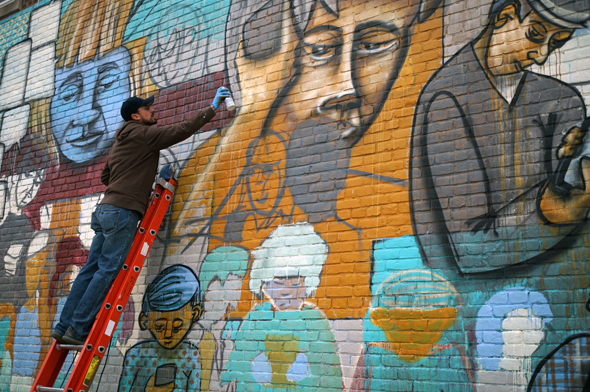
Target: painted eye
point(321, 45)
point(536, 33)
point(70, 92)
point(319, 52)
point(177, 325)
point(108, 75)
point(377, 41)
point(106, 81)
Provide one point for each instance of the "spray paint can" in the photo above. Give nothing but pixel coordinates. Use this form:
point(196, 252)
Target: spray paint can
point(229, 103)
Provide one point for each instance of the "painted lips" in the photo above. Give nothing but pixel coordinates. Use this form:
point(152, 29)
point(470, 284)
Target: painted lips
point(85, 141)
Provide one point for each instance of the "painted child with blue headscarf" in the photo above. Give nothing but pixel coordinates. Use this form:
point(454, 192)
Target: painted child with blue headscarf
point(171, 306)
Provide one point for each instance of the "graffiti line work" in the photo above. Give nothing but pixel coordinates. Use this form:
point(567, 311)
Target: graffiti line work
point(398, 202)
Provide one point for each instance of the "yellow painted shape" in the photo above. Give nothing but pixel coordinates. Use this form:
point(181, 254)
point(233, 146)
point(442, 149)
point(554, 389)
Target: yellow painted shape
point(281, 351)
point(413, 332)
point(206, 352)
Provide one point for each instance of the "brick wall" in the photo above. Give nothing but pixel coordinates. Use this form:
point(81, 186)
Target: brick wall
point(398, 203)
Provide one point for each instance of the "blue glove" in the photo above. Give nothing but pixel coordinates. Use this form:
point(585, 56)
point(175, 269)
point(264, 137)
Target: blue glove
point(220, 96)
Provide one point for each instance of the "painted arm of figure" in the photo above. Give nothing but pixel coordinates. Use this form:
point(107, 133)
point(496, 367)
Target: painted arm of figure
point(560, 203)
point(449, 183)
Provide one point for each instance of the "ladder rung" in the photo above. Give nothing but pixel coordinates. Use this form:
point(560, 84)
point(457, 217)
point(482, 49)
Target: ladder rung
point(48, 389)
point(75, 347)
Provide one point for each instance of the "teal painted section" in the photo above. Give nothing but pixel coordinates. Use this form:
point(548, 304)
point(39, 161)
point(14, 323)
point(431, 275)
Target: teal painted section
point(159, 17)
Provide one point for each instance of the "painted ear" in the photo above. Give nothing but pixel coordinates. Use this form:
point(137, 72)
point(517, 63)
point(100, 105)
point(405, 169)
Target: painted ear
point(507, 14)
point(427, 8)
point(143, 321)
point(197, 311)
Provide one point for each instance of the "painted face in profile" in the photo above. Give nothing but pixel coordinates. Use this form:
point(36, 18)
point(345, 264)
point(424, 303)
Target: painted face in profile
point(515, 45)
point(85, 110)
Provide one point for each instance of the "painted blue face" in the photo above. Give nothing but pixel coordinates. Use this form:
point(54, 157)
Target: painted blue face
point(85, 110)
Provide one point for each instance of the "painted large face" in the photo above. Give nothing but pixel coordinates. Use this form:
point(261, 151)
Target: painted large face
point(515, 45)
point(285, 293)
point(85, 110)
point(347, 64)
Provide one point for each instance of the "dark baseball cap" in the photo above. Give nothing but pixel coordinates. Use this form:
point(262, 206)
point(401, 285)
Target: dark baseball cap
point(131, 105)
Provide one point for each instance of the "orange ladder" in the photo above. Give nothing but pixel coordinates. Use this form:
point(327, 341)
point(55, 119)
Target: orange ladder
point(93, 350)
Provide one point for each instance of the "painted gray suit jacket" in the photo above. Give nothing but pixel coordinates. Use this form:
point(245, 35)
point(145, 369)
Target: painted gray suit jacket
point(478, 164)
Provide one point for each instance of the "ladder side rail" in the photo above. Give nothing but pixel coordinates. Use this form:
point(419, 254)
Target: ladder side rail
point(119, 293)
point(51, 367)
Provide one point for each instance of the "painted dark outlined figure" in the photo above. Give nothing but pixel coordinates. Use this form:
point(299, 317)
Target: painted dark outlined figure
point(313, 44)
point(274, 352)
point(566, 368)
point(261, 188)
point(171, 306)
point(24, 168)
point(490, 139)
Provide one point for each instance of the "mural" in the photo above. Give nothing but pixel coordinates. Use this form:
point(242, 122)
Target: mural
point(398, 203)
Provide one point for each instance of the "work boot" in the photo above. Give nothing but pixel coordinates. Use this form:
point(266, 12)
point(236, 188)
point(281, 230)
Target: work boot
point(57, 336)
point(70, 338)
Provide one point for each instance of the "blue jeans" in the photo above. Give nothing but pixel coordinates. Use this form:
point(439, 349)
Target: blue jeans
point(114, 229)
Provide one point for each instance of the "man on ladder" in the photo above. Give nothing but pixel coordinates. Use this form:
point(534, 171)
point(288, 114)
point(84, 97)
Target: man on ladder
point(128, 174)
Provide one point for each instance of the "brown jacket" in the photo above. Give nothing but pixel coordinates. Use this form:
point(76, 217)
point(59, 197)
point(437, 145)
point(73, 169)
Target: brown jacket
point(133, 159)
